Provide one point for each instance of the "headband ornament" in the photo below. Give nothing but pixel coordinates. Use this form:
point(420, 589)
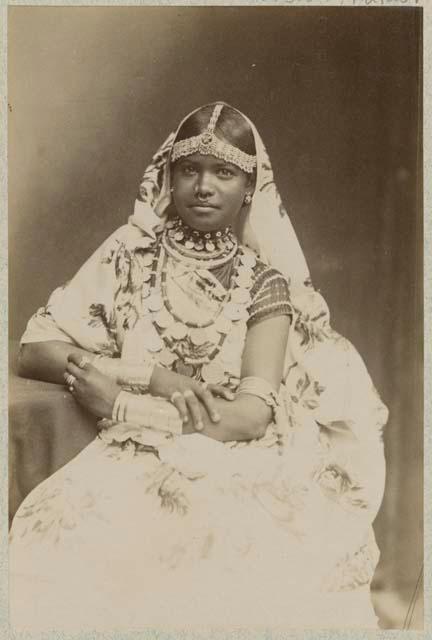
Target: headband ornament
point(207, 144)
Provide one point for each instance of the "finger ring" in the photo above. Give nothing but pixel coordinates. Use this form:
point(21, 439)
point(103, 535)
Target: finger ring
point(175, 395)
point(84, 360)
point(70, 380)
point(71, 389)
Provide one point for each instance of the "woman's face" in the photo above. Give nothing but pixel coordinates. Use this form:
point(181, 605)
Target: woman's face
point(208, 193)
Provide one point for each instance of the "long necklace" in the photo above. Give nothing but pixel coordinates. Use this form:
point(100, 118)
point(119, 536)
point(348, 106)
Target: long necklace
point(182, 337)
point(191, 323)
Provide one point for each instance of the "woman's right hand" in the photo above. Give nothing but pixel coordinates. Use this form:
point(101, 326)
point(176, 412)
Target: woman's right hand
point(189, 396)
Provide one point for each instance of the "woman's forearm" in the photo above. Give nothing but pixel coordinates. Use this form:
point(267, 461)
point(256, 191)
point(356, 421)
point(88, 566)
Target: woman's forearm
point(245, 418)
point(47, 360)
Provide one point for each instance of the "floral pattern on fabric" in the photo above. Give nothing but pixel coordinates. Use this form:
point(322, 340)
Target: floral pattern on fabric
point(319, 481)
point(139, 514)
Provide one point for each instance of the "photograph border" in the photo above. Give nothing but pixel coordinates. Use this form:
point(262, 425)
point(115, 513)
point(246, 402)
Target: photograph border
point(427, 201)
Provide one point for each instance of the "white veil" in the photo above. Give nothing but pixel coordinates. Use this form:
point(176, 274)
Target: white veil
point(326, 386)
point(264, 225)
point(324, 375)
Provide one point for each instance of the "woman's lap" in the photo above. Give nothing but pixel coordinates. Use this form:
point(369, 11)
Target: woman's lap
point(119, 526)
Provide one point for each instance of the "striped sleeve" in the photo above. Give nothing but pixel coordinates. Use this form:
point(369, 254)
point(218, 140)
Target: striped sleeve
point(270, 295)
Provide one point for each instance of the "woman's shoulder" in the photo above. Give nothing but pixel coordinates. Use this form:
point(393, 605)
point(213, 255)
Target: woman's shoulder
point(128, 237)
point(130, 234)
point(264, 274)
point(270, 289)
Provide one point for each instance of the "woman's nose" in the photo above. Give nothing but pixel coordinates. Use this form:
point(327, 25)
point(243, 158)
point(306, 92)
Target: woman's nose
point(204, 186)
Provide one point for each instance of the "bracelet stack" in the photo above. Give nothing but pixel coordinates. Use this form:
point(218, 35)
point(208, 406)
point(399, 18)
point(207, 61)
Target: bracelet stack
point(106, 365)
point(147, 412)
point(134, 376)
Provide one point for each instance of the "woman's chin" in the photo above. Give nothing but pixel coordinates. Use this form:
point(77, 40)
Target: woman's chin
point(203, 219)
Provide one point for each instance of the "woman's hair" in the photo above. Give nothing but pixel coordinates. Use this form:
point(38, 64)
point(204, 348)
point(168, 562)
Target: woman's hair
point(231, 126)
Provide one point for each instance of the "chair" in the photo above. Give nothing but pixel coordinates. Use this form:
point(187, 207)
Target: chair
point(47, 428)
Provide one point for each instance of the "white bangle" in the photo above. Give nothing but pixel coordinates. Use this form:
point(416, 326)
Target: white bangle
point(119, 408)
point(146, 411)
point(259, 387)
point(136, 376)
point(106, 365)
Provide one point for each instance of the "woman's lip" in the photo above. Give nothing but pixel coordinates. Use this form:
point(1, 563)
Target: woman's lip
point(202, 206)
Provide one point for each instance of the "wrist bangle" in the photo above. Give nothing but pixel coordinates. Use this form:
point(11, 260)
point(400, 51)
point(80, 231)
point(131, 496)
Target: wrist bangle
point(147, 412)
point(262, 389)
point(259, 387)
point(136, 376)
point(119, 408)
point(106, 365)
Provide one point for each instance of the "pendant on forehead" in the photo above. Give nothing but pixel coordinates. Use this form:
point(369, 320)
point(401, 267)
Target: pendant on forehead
point(207, 143)
point(207, 136)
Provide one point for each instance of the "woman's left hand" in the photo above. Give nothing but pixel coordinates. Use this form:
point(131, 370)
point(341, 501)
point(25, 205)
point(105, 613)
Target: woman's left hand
point(92, 389)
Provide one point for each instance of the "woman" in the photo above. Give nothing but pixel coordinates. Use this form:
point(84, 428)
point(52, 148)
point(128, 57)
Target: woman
point(239, 462)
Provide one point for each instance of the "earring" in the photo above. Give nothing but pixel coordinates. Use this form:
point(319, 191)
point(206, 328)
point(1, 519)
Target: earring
point(172, 189)
point(247, 198)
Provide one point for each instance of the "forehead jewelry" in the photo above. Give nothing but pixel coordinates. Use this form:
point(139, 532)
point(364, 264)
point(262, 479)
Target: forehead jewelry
point(208, 144)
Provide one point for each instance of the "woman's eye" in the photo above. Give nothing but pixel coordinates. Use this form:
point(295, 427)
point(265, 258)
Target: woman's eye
point(225, 172)
point(188, 169)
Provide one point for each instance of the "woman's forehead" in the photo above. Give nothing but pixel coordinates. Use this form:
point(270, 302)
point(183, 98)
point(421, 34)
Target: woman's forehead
point(203, 160)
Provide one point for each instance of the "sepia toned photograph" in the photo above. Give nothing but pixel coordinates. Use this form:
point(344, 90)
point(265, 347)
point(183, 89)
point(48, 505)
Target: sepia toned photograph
point(215, 223)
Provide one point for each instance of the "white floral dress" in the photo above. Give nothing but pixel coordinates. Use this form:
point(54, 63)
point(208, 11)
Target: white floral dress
point(146, 529)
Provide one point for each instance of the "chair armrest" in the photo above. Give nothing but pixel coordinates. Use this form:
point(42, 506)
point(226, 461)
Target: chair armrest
point(47, 428)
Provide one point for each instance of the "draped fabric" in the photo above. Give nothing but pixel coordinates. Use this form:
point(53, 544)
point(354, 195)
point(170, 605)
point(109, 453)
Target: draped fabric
point(271, 532)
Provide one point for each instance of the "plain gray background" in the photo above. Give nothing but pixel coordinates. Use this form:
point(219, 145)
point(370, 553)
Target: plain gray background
point(336, 96)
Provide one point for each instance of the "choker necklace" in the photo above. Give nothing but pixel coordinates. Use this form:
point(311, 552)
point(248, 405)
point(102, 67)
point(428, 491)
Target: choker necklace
point(196, 244)
point(195, 260)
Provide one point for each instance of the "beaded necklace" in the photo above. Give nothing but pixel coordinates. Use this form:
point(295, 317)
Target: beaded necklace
point(200, 245)
point(204, 260)
point(194, 345)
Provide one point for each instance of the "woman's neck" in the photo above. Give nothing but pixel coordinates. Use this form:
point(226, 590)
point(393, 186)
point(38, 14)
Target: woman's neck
point(201, 245)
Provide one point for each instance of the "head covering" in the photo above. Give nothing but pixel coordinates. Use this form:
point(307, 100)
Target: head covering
point(319, 362)
point(325, 381)
point(264, 225)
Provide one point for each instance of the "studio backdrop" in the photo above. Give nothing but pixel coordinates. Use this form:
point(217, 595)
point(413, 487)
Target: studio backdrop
point(336, 95)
